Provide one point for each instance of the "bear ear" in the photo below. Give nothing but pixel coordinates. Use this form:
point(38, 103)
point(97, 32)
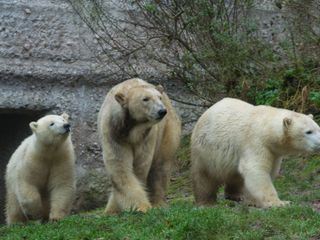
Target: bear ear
point(121, 99)
point(33, 126)
point(310, 116)
point(65, 116)
point(160, 88)
point(287, 122)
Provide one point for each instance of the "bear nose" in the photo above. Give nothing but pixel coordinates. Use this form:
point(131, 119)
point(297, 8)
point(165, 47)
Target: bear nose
point(162, 113)
point(67, 127)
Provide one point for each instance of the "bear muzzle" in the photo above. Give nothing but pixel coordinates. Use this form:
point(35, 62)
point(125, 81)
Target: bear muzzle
point(162, 113)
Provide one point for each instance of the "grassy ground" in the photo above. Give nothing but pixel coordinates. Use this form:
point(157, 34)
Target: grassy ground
point(299, 183)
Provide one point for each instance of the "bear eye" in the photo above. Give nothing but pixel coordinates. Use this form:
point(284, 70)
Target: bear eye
point(146, 99)
point(51, 124)
point(308, 132)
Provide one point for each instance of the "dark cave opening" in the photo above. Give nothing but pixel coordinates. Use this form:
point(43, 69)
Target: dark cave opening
point(14, 127)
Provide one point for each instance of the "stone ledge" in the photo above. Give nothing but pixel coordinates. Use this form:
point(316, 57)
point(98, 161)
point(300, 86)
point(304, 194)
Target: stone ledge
point(38, 3)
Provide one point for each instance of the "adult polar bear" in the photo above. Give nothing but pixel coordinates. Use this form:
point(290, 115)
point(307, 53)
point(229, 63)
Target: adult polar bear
point(242, 146)
point(140, 133)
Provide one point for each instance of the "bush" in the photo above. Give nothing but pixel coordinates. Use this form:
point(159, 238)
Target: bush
point(214, 47)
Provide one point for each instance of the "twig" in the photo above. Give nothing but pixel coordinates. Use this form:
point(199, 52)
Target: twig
point(189, 103)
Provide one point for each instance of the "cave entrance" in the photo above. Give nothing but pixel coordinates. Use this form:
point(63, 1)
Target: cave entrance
point(14, 127)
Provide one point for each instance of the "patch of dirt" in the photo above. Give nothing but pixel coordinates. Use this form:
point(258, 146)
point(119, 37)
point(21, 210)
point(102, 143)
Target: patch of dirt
point(316, 205)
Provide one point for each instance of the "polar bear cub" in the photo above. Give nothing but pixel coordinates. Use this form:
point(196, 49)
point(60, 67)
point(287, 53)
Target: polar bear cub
point(40, 179)
point(242, 146)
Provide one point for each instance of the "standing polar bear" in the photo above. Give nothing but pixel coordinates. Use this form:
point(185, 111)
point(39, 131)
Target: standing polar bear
point(140, 133)
point(242, 146)
point(40, 179)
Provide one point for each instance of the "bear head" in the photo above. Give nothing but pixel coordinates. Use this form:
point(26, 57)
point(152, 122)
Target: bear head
point(144, 103)
point(302, 132)
point(51, 129)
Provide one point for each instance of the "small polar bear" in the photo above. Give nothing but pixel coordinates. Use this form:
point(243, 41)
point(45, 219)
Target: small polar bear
point(40, 179)
point(241, 146)
point(140, 133)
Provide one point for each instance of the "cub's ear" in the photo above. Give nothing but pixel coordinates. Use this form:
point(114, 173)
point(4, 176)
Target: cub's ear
point(65, 116)
point(310, 116)
point(287, 122)
point(160, 88)
point(121, 99)
point(33, 126)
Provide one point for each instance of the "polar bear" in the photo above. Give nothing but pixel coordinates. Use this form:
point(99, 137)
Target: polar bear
point(140, 133)
point(40, 179)
point(242, 146)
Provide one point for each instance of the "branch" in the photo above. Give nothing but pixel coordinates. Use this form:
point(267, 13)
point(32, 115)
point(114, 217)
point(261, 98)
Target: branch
point(189, 103)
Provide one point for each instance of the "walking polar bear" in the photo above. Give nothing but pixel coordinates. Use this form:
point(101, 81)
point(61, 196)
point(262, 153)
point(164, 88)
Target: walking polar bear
point(140, 133)
point(242, 146)
point(40, 179)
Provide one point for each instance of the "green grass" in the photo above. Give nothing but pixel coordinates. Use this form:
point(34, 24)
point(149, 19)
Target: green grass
point(299, 182)
point(181, 221)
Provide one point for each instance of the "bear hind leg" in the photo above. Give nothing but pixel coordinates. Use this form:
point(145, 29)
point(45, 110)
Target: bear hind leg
point(158, 180)
point(45, 209)
point(234, 188)
point(205, 187)
point(29, 199)
point(14, 213)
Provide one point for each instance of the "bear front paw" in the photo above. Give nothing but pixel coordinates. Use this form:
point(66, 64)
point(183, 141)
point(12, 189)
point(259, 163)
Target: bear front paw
point(56, 217)
point(276, 204)
point(144, 207)
point(285, 203)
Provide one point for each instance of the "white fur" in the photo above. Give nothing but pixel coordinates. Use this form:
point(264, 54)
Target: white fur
point(236, 138)
point(40, 179)
point(141, 159)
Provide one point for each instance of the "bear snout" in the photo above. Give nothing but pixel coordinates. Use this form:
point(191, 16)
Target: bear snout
point(162, 113)
point(67, 127)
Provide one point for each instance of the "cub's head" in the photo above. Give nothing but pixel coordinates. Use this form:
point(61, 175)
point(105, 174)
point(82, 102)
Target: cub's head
point(51, 129)
point(144, 103)
point(303, 133)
